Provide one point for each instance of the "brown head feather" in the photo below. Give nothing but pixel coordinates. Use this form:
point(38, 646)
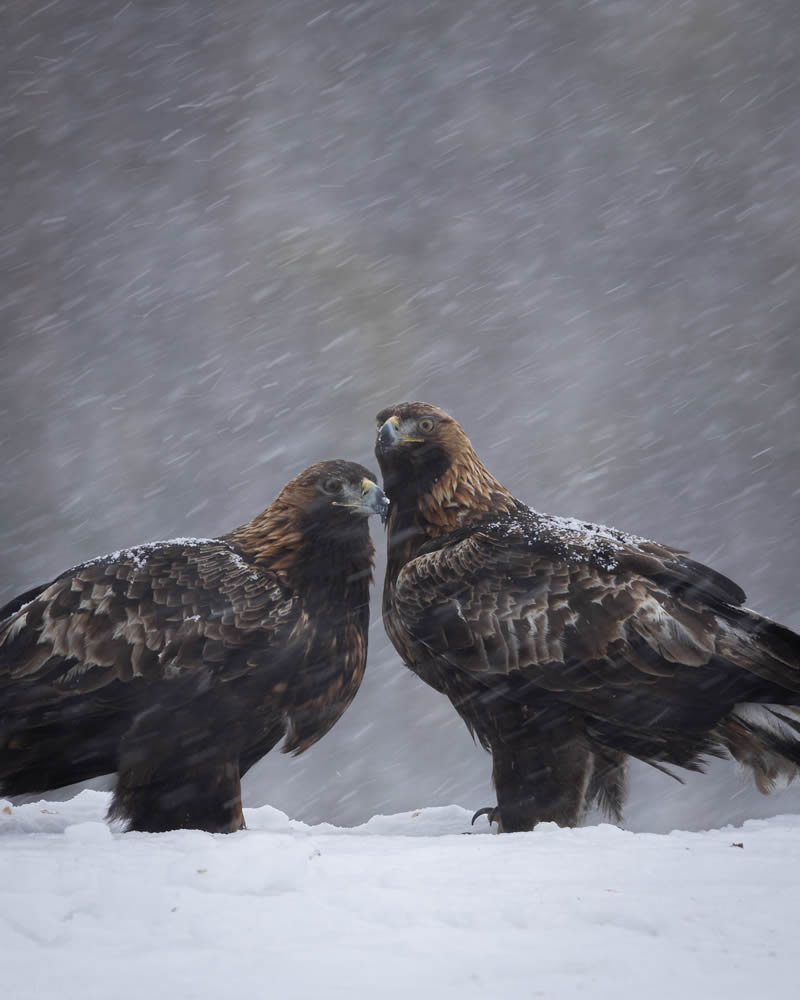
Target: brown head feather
point(272, 537)
point(452, 487)
point(275, 537)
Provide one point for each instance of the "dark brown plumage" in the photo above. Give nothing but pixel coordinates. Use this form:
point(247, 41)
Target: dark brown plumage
point(567, 646)
point(180, 664)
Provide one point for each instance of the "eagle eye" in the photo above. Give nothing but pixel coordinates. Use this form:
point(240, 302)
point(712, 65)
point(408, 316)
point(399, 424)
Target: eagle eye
point(333, 486)
point(425, 425)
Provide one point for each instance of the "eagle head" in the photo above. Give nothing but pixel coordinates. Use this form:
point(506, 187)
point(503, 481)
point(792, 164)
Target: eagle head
point(326, 504)
point(417, 440)
point(336, 489)
point(427, 460)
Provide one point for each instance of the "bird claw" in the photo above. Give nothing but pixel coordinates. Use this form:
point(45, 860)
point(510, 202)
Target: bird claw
point(493, 812)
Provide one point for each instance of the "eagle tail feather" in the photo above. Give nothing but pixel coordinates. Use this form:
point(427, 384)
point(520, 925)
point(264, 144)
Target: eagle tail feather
point(765, 648)
point(608, 787)
point(50, 756)
point(765, 738)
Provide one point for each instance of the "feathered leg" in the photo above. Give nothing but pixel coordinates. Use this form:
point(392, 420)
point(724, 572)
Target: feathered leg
point(179, 769)
point(540, 781)
point(544, 769)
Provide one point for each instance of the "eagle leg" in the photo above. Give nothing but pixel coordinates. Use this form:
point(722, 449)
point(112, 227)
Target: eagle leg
point(541, 774)
point(179, 770)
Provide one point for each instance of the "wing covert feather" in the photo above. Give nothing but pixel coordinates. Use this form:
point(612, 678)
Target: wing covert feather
point(501, 604)
point(149, 611)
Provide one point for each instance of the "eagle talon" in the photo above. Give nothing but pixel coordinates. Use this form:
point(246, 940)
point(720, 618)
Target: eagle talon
point(493, 812)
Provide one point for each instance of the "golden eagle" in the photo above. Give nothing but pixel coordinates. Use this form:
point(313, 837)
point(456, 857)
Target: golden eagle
point(179, 664)
point(566, 646)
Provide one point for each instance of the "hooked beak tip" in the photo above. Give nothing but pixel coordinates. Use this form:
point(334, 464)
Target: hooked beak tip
point(375, 501)
point(388, 435)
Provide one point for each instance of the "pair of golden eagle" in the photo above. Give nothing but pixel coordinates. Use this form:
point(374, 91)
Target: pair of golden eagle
point(566, 647)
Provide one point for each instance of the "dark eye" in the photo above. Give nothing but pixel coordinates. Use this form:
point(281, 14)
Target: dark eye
point(332, 486)
point(425, 425)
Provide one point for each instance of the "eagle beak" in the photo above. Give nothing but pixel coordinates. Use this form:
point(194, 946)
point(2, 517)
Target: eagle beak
point(374, 500)
point(389, 435)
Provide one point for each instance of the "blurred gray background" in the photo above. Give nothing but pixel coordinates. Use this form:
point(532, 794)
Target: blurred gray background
point(231, 232)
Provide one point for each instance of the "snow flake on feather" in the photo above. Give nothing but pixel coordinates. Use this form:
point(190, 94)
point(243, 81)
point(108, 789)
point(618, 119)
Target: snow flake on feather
point(139, 554)
point(580, 541)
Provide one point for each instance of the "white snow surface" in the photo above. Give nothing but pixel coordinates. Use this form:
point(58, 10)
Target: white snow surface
point(403, 906)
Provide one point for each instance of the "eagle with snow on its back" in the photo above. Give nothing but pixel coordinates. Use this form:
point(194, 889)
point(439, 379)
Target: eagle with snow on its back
point(180, 664)
point(567, 647)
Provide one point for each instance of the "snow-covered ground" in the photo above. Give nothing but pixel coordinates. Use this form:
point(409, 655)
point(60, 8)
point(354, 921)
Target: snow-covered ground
point(405, 906)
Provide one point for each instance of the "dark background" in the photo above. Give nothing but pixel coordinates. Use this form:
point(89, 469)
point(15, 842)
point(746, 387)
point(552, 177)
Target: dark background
point(231, 232)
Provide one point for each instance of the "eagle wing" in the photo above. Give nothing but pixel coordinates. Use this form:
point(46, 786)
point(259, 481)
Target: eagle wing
point(153, 612)
point(631, 633)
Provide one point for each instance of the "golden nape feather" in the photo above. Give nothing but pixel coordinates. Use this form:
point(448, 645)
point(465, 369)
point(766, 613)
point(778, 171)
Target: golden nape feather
point(566, 646)
point(179, 664)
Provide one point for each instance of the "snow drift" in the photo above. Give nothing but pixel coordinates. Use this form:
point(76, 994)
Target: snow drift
point(405, 905)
